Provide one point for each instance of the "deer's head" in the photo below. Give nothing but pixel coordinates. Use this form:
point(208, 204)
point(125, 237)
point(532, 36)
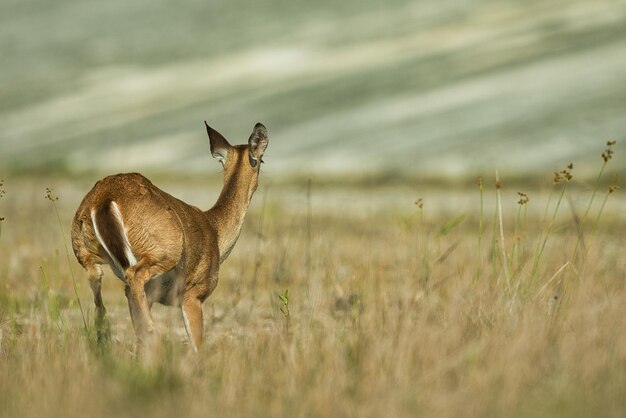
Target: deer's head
point(240, 160)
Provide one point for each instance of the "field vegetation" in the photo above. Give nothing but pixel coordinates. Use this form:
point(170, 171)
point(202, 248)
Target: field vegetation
point(338, 301)
point(376, 275)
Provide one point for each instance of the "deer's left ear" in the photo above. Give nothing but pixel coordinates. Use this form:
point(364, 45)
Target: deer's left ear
point(258, 141)
point(219, 144)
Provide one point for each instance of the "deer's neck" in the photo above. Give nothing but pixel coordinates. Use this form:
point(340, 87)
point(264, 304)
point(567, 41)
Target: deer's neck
point(229, 212)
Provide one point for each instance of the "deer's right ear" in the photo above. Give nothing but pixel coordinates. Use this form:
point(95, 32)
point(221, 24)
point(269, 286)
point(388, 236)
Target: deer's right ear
point(219, 144)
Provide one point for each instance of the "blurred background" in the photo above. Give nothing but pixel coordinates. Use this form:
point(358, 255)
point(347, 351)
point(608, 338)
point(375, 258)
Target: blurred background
point(355, 89)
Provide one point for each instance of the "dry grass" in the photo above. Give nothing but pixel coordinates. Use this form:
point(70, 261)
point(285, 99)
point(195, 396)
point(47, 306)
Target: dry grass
point(403, 313)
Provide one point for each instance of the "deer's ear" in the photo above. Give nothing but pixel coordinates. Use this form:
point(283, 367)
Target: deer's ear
point(219, 144)
point(258, 141)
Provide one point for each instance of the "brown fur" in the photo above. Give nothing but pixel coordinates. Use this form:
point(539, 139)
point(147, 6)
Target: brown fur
point(178, 247)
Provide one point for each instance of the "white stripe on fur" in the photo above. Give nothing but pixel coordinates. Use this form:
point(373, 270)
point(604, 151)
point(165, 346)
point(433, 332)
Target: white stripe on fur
point(117, 266)
point(127, 249)
point(188, 329)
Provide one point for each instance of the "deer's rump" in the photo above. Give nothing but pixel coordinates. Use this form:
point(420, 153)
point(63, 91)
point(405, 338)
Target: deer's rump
point(124, 219)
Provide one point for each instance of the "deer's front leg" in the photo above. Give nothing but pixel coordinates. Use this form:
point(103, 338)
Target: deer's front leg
point(193, 319)
point(197, 288)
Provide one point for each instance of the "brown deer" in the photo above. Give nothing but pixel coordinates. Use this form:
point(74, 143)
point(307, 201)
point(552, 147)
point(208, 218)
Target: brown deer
point(163, 249)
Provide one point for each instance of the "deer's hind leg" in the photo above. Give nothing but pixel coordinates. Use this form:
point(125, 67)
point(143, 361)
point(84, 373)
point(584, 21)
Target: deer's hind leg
point(103, 332)
point(85, 246)
point(136, 278)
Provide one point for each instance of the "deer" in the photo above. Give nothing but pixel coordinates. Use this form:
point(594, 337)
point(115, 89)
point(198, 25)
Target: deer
point(163, 249)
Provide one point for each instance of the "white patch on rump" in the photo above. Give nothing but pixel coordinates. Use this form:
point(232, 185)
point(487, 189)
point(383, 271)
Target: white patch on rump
point(127, 249)
point(116, 267)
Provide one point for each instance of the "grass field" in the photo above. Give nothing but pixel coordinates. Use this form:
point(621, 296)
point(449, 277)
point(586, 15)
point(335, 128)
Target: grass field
point(392, 285)
point(396, 307)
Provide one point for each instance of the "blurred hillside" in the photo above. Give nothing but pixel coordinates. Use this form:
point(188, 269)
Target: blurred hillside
point(441, 89)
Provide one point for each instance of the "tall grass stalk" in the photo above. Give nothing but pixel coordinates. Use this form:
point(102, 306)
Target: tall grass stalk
point(596, 186)
point(2, 192)
point(517, 251)
point(602, 205)
point(609, 192)
point(52, 198)
point(494, 244)
point(564, 177)
point(421, 267)
point(481, 188)
point(257, 249)
point(308, 228)
point(516, 228)
point(545, 235)
point(505, 266)
point(606, 157)
point(514, 259)
point(51, 303)
point(554, 276)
